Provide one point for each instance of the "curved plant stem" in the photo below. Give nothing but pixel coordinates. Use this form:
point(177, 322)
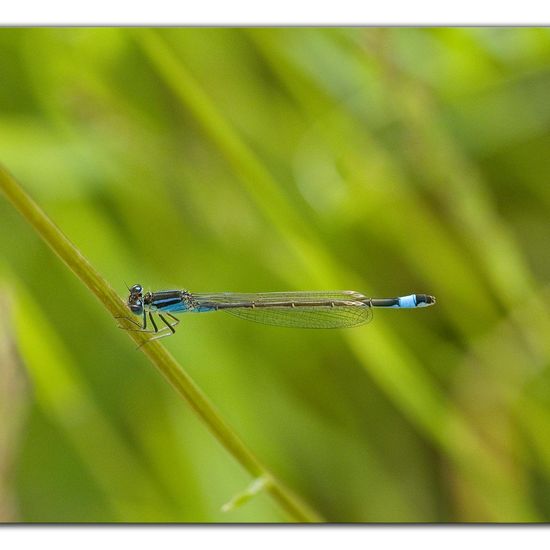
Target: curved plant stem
point(165, 363)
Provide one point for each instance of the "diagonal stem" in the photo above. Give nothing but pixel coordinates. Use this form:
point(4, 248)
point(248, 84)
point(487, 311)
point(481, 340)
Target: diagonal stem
point(158, 355)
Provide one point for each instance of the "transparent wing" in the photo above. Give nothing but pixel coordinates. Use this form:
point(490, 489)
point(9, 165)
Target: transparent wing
point(270, 297)
point(304, 317)
point(333, 309)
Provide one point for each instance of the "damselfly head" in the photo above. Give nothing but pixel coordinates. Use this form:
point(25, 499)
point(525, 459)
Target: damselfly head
point(136, 289)
point(135, 301)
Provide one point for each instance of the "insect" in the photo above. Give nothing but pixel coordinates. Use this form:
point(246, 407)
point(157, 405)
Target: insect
point(308, 309)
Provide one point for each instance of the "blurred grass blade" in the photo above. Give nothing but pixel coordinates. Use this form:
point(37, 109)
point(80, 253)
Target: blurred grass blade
point(13, 403)
point(158, 355)
point(393, 367)
point(388, 190)
point(257, 485)
point(62, 394)
point(257, 179)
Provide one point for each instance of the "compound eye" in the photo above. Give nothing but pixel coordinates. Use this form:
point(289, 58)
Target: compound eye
point(136, 308)
point(136, 289)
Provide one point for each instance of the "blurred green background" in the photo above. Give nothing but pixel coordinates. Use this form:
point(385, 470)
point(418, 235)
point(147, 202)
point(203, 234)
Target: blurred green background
point(388, 161)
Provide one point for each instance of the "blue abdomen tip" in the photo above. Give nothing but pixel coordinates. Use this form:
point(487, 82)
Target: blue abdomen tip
point(407, 301)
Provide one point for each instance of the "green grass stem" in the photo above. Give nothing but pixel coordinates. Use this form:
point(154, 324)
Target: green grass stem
point(157, 354)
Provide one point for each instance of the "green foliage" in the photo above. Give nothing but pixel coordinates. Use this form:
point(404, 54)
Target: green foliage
point(388, 161)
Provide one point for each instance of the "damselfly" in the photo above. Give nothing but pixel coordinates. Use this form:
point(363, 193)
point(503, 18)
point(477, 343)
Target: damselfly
point(309, 309)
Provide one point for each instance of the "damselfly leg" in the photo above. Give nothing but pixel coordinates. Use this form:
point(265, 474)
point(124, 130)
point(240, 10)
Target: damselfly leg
point(167, 330)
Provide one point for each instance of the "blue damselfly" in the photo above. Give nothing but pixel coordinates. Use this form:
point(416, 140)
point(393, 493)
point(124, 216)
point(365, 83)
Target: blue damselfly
point(308, 309)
